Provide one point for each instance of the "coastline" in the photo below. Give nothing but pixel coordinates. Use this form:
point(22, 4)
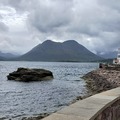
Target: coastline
point(97, 81)
point(102, 79)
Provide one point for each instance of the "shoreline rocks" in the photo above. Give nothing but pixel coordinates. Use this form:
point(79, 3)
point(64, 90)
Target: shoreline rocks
point(102, 79)
point(39, 117)
point(27, 75)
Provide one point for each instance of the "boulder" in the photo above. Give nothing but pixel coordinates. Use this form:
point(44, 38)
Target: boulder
point(26, 75)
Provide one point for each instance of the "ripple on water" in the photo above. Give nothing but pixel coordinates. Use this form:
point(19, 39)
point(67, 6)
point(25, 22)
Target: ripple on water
point(18, 99)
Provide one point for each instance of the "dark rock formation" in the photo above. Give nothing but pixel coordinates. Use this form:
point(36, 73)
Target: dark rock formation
point(110, 66)
point(39, 117)
point(26, 75)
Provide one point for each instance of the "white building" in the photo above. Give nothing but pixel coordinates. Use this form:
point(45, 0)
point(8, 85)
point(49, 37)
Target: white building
point(117, 60)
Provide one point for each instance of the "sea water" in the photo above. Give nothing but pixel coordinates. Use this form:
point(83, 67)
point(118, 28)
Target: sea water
point(18, 99)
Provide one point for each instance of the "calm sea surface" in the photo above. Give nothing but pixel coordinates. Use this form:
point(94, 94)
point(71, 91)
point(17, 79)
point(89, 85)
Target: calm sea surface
point(18, 99)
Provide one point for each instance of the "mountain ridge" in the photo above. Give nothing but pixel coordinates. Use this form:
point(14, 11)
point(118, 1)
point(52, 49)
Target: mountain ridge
point(69, 50)
point(7, 55)
point(108, 55)
point(2, 58)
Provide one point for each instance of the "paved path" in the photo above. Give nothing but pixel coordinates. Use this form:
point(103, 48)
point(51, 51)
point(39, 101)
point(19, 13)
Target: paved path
point(88, 108)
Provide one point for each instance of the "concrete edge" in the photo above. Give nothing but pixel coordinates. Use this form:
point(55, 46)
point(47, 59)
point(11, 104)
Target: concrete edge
point(89, 108)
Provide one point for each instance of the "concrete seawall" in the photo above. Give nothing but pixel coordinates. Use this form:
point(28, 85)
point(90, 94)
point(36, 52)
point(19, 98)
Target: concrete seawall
point(102, 106)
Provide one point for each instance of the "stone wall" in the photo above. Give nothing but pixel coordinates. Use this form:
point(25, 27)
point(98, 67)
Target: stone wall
point(110, 113)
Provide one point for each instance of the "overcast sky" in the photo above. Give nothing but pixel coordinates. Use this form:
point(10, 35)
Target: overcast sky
point(26, 23)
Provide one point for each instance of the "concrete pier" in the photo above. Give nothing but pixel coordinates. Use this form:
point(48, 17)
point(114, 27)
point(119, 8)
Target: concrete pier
point(96, 107)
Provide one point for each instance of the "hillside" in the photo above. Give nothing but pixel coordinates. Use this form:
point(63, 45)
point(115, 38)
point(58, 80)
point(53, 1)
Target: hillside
point(55, 51)
point(108, 55)
point(7, 55)
point(2, 59)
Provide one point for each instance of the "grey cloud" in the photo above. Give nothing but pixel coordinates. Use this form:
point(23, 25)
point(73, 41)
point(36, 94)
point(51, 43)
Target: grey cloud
point(96, 19)
point(112, 4)
point(19, 5)
point(3, 27)
point(94, 23)
point(47, 18)
point(16, 44)
point(1, 17)
point(106, 42)
point(43, 15)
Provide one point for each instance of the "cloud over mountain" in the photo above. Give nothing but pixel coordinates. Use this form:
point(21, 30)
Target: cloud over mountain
point(94, 23)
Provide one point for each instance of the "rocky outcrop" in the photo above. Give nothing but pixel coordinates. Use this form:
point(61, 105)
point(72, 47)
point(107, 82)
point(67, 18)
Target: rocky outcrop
point(39, 117)
point(103, 79)
point(26, 75)
point(110, 66)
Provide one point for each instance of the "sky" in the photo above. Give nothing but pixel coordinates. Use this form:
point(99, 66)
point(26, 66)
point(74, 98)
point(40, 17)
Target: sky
point(26, 23)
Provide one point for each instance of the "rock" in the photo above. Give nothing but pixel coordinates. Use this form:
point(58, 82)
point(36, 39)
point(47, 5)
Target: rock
point(39, 117)
point(26, 75)
point(109, 66)
point(102, 79)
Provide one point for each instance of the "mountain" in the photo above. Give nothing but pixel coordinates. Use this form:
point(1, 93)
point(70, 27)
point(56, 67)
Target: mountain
point(110, 61)
point(108, 55)
point(55, 51)
point(7, 55)
point(2, 59)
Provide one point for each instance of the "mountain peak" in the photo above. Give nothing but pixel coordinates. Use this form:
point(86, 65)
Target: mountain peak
point(72, 41)
point(69, 50)
point(48, 41)
point(67, 42)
